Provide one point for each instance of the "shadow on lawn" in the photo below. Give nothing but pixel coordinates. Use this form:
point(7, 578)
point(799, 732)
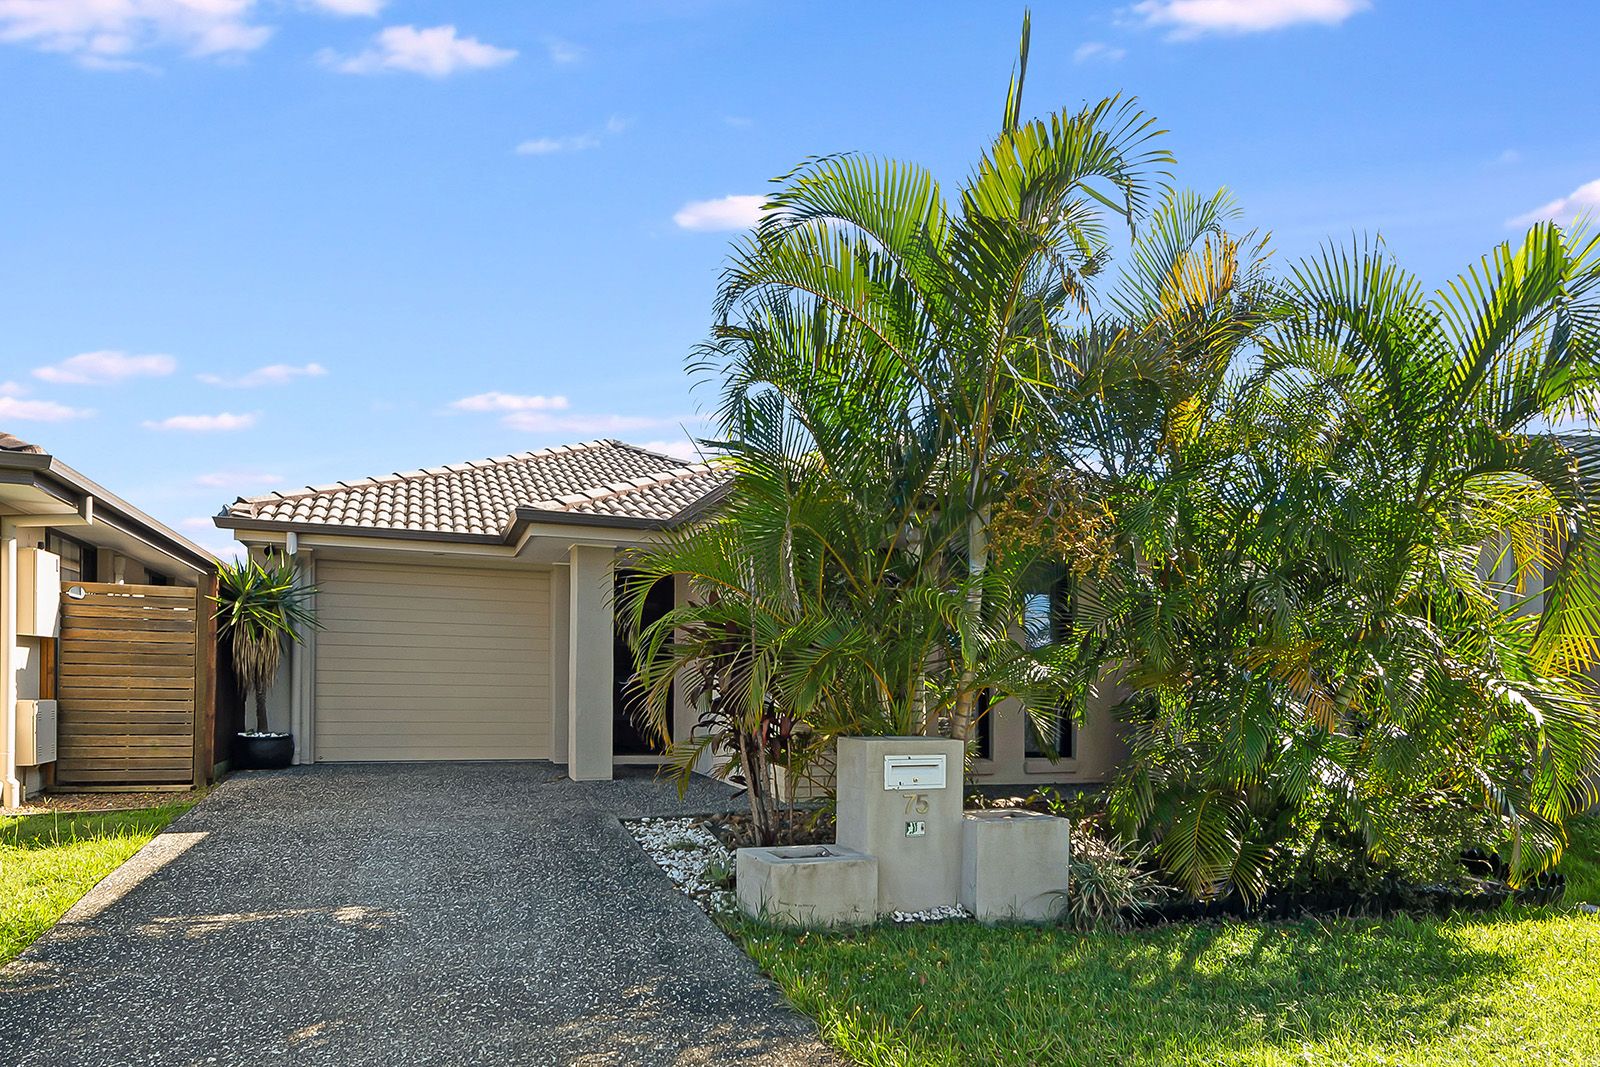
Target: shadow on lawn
point(1214, 988)
point(1200, 993)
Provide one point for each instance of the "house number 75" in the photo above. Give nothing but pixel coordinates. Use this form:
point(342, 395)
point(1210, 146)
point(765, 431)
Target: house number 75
point(916, 803)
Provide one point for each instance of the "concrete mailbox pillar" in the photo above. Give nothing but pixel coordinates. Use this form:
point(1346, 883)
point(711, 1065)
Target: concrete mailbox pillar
point(1014, 865)
point(807, 885)
point(900, 799)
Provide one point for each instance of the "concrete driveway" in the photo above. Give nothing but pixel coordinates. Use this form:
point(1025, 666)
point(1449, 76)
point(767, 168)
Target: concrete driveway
point(399, 914)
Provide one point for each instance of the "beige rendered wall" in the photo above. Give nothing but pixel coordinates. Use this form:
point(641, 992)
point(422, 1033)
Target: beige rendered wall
point(1097, 752)
point(431, 662)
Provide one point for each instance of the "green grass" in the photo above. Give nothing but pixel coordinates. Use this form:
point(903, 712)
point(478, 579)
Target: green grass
point(48, 861)
point(1581, 864)
point(1518, 987)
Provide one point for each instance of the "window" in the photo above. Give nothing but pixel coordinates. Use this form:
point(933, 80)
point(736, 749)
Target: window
point(1052, 738)
point(78, 560)
point(1047, 616)
point(985, 725)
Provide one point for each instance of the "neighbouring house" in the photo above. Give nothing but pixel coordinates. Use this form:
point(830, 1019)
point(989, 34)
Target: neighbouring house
point(107, 647)
point(467, 612)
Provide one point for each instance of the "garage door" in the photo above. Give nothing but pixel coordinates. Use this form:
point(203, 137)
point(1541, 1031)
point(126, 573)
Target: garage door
point(420, 663)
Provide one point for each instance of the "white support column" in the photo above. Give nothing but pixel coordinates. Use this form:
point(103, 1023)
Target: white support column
point(303, 671)
point(560, 660)
point(592, 632)
point(10, 787)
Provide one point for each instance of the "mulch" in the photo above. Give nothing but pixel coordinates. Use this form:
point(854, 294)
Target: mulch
point(95, 802)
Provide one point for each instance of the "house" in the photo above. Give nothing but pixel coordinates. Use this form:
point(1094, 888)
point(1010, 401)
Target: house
point(467, 612)
point(106, 641)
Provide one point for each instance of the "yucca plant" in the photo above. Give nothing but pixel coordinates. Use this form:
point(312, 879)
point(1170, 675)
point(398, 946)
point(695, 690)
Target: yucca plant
point(259, 609)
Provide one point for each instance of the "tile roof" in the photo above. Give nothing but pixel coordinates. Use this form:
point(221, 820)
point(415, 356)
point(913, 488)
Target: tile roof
point(9, 443)
point(599, 480)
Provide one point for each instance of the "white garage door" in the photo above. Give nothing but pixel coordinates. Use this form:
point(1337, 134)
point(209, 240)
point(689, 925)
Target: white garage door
point(421, 663)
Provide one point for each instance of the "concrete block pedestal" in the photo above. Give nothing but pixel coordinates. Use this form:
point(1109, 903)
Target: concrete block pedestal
point(900, 799)
point(1014, 865)
point(807, 885)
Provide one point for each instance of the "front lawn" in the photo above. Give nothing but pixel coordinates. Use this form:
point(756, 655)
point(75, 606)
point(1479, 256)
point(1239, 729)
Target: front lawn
point(48, 861)
point(1516, 988)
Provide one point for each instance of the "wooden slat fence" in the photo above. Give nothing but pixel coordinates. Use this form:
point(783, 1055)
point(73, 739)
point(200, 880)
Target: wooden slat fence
point(133, 669)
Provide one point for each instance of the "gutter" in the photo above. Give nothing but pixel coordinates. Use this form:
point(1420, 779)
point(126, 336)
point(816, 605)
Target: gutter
point(132, 521)
point(225, 521)
point(523, 518)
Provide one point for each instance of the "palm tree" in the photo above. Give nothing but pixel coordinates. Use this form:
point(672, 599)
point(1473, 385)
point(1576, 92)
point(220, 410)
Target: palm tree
point(1323, 673)
point(913, 344)
point(259, 608)
point(810, 617)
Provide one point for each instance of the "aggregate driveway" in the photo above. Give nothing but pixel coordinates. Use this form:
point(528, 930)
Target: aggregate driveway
point(399, 914)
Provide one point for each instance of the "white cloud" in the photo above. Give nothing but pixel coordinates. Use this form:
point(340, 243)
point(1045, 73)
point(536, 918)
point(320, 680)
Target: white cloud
point(238, 480)
point(13, 406)
point(739, 122)
point(562, 52)
point(1584, 200)
point(1097, 50)
point(495, 401)
point(550, 146)
point(1192, 18)
point(272, 374)
point(1508, 158)
point(727, 213)
point(548, 415)
point(678, 448)
point(227, 420)
point(578, 142)
point(585, 425)
point(436, 52)
point(103, 34)
point(12, 389)
point(106, 366)
point(348, 7)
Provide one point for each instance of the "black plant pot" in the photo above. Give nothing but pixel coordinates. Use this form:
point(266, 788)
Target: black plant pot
point(265, 752)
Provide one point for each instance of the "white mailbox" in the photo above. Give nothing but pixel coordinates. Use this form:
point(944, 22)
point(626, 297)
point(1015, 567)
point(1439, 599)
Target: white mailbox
point(913, 772)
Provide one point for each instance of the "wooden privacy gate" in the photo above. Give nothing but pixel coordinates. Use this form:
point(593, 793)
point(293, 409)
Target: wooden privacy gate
point(135, 667)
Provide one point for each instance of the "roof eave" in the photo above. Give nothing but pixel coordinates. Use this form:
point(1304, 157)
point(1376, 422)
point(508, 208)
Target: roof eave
point(136, 523)
point(237, 523)
point(527, 516)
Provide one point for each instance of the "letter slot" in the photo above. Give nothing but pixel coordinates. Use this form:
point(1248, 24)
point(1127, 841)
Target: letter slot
point(913, 772)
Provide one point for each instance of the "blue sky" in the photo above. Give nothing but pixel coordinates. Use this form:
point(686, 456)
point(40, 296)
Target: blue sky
point(253, 244)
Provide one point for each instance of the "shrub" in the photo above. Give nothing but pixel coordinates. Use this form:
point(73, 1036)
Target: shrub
point(1108, 885)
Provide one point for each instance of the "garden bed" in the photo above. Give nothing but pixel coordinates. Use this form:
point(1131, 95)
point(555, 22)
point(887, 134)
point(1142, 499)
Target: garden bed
point(694, 856)
point(697, 854)
point(1475, 897)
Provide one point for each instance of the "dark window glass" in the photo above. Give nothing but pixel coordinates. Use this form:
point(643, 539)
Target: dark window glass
point(630, 735)
point(1047, 616)
point(985, 726)
point(77, 559)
